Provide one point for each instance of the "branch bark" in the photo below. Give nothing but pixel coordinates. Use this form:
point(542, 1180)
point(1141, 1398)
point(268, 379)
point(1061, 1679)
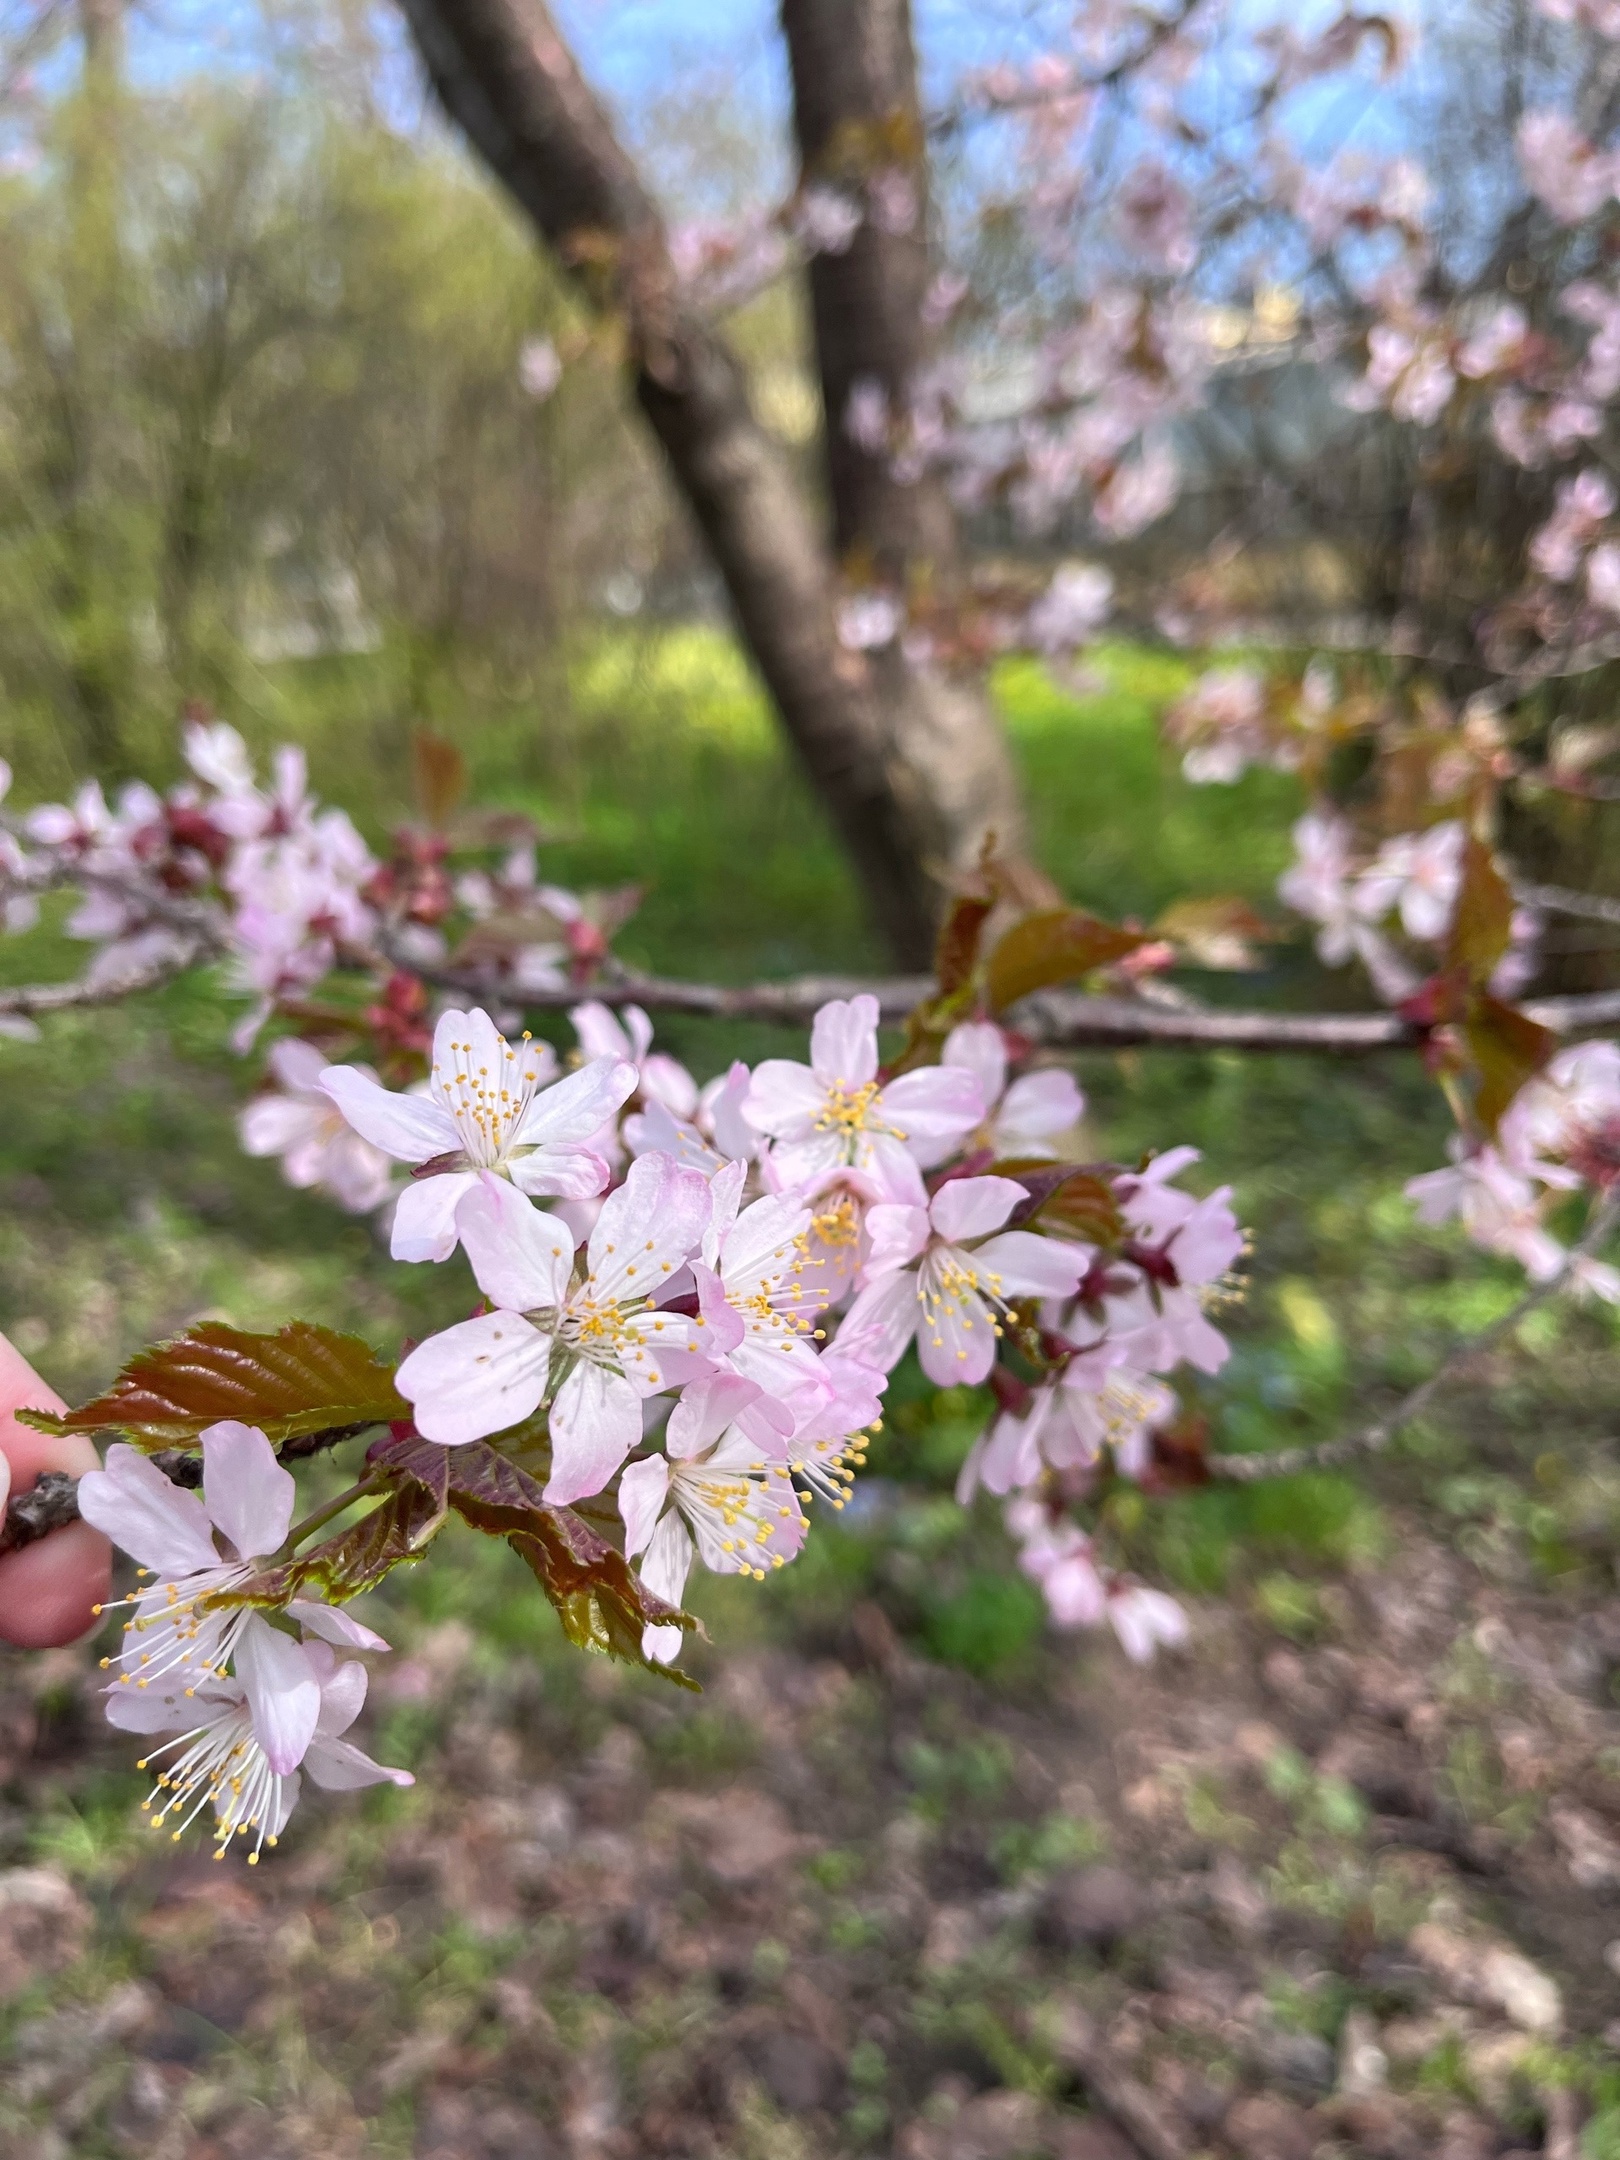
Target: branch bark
point(506, 77)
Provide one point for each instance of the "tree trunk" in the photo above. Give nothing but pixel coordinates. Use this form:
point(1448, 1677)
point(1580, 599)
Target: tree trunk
point(912, 774)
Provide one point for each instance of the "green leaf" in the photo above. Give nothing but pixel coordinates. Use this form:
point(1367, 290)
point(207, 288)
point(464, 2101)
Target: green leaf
point(1482, 920)
point(356, 1559)
point(1508, 1048)
point(303, 1382)
point(1057, 945)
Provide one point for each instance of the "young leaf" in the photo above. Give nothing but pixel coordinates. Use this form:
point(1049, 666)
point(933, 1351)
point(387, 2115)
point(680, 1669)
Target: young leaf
point(406, 1455)
point(956, 951)
point(438, 776)
point(304, 1382)
point(1057, 945)
point(1508, 1048)
point(1482, 920)
point(1075, 1202)
point(1219, 932)
point(356, 1559)
point(598, 1596)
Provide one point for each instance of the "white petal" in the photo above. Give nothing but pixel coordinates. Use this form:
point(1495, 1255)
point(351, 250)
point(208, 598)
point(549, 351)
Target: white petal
point(704, 1412)
point(561, 1173)
point(340, 1767)
point(577, 1106)
point(759, 1245)
point(973, 1206)
point(642, 1490)
point(142, 1710)
point(334, 1624)
point(408, 1127)
point(521, 1257)
point(843, 1042)
point(271, 1124)
point(343, 1697)
point(956, 1341)
point(896, 1235)
point(668, 1563)
point(1026, 1265)
point(283, 1694)
point(648, 1228)
point(981, 1049)
point(425, 1216)
point(476, 1378)
point(245, 1490)
point(595, 1422)
point(1039, 1105)
point(784, 1098)
point(156, 1522)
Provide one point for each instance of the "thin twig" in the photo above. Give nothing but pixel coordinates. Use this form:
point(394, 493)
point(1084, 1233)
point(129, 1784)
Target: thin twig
point(1372, 1439)
point(28, 1000)
point(1557, 900)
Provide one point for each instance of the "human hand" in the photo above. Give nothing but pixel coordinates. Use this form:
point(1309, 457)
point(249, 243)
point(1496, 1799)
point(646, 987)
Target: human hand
point(48, 1591)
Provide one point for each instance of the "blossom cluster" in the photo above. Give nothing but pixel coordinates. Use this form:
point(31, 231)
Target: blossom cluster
point(704, 1291)
point(1559, 1136)
point(1406, 890)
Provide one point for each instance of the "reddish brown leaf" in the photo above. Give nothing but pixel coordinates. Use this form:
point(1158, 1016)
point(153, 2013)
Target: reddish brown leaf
point(438, 776)
point(1482, 921)
point(407, 1455)
point(596, 1593)
point(1508, 1048)
point(306, 1380)
point(1076, 1202)
point(356, 1559)
point(956, 952)
point(1058, 945)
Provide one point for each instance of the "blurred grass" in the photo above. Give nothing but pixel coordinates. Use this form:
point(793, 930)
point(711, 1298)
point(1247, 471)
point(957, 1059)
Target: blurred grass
point(127, 1210)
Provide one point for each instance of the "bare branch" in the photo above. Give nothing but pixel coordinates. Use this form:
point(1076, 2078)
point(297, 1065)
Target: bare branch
point(1054, 1019)
point(1373, 1438)
point(1557, 900)
point(27, 1001)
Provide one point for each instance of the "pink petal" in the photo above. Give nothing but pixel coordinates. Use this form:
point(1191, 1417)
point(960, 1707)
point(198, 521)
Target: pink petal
point(595, 1422)
point(784, 1098)
point(956, 1343)
point(283, 1694)
point(562, 1173)
point(408, 1127)
point(245, 1490)
point(521, 1257)
point(648, 1228)
point(1040, 1104)
point(156, 1522)
point(705, 1411)
point(973, 1206)
point(476, 1379)
point(343, 1696)
point(980, 1048)
point(334, 1624)
point(896, 1235)
point(1027, 1265)
point(843, 1042)
point(880, 1323)
point(932, 1108)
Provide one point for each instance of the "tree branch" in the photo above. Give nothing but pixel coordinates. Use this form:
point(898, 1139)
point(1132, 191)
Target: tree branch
point(1373, 1438)
point(28, 1000)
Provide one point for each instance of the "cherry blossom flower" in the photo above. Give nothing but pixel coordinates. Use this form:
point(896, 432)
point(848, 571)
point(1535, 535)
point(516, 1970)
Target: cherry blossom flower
point(591, 1349)
point(924, 1280)
point(488, 1109)
point(1152, 1315)
point(834, 1114)
point(753, 1296)
point(1138, 494)
point(1555, 1115)
point(1580, 509)
point(247, 1498)
point(1073, 608)
point(1057, 1554)
point(1144, 1619)
point(824, 220)
point(1561, 166)
point(237, 1745)
point(627, 1035)
point(1419, 875)
point(712, 1496)
point(1499, 1210)
point(1221, 722)
point(1070, 1424)
point(1022, 1119)
point(298, 1120)
point(539, 368)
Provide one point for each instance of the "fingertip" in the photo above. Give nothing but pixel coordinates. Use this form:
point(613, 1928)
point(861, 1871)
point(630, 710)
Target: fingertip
point(49, 1591)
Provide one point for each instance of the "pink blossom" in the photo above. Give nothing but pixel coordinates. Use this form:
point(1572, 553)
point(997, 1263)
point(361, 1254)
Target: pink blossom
point(833, 1113)
point(173, 1636)
point(539, 368)
point(1057, 1554)
point(488, 1110)
point(1144, 1619)
point(1220, 722)
point(1418, 874)
point(925, 1280)
point(1138, 494)
point(1562, 168)
point(824, 220)
point(1089, 1411)
point(591, 1348)
point(712, 1496)
point(866, 417)
point(1022, 1119)
point(1603, 576)
point(238, 1744)
point(867, 621)
point(1072, 609)
point(1496, 344)
point(298, 1120)
point(1580, 509)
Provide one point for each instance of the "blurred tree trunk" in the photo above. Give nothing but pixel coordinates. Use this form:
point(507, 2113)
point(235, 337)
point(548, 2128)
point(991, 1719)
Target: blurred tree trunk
point(914, 773)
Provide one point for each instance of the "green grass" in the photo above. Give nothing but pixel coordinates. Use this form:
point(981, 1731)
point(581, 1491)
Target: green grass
point(126, 1208)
